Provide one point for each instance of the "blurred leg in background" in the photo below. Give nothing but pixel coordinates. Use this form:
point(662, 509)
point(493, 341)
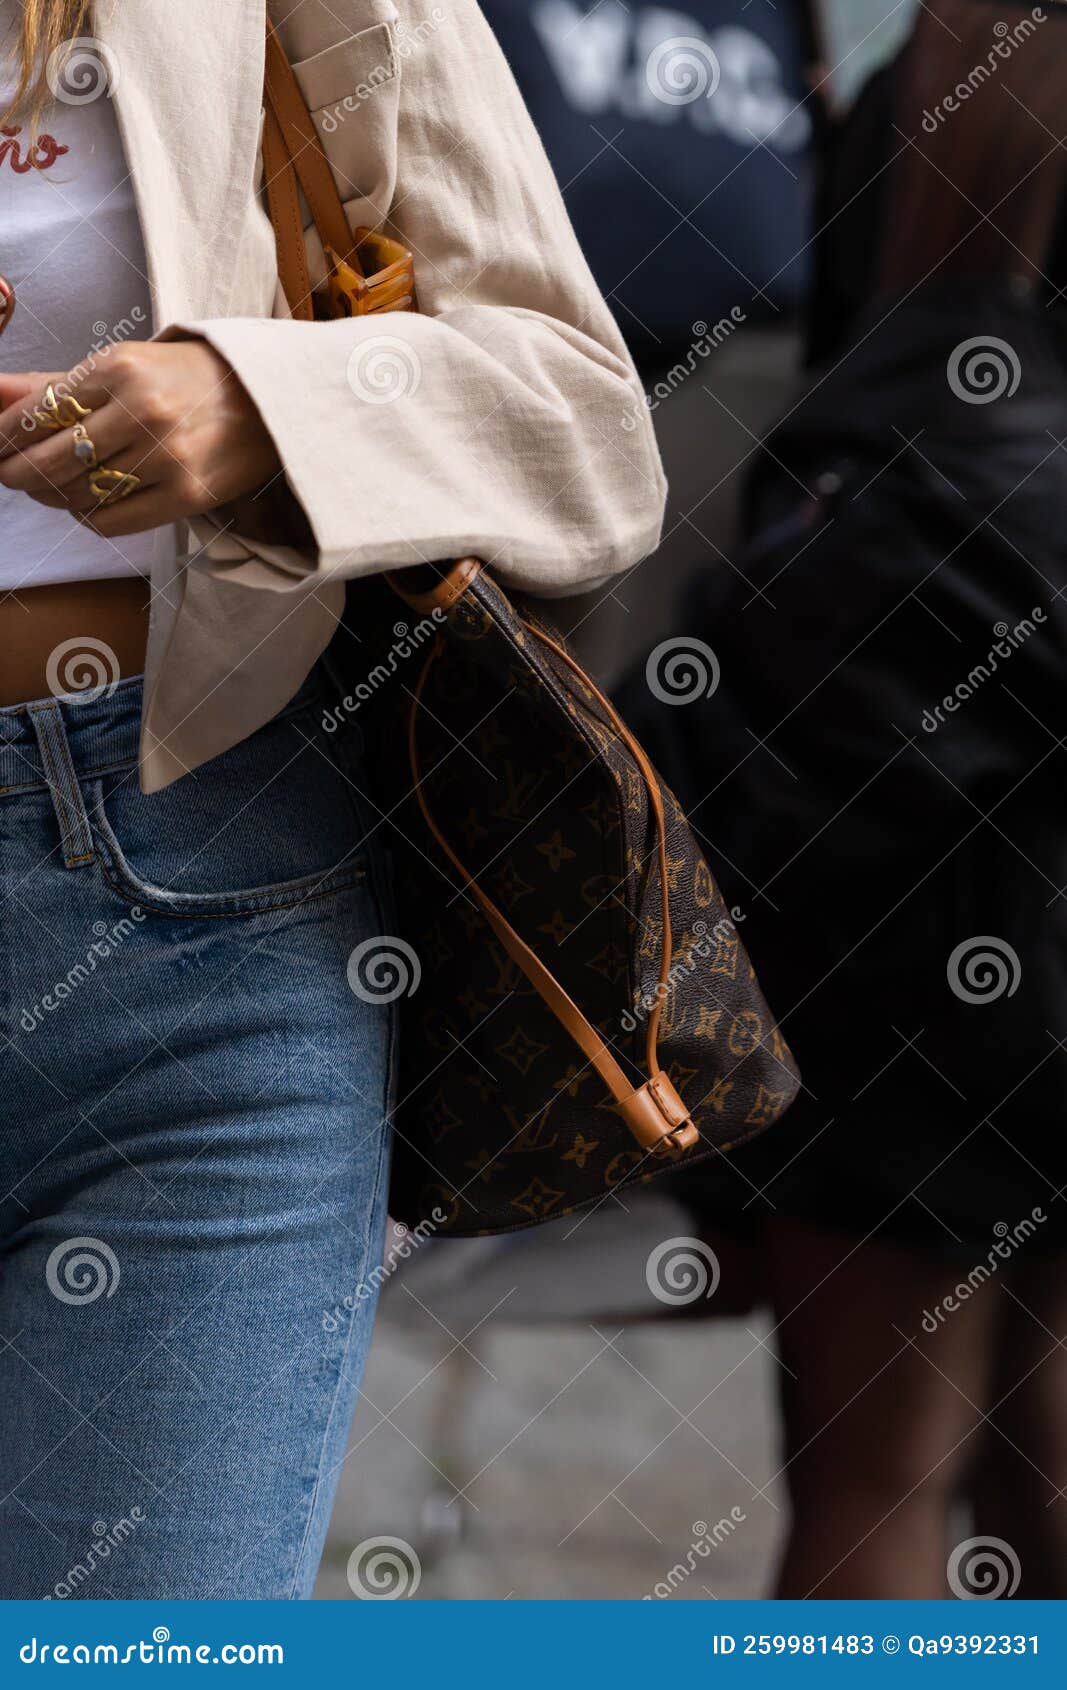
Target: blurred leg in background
point(1020, 1484)
point(879, 1435)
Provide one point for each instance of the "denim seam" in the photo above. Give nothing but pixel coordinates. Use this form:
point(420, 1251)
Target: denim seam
point(381, 891)
point(383, 1158)
point(216, 906)
point(263, 902)
point(97, 770)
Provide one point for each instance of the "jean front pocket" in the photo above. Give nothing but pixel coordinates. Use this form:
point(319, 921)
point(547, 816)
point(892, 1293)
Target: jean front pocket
point(270, 824)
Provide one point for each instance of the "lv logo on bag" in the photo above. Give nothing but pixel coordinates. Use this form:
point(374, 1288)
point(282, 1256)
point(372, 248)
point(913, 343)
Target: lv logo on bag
point(587, 1015)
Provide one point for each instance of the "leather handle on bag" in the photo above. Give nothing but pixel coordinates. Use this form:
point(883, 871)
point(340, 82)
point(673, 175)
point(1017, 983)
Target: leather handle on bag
point(444, 592)
point(654, 1111)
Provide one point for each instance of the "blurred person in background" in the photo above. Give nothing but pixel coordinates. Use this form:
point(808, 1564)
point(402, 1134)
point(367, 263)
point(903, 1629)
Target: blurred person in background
point(685, 148)
point(879, 778)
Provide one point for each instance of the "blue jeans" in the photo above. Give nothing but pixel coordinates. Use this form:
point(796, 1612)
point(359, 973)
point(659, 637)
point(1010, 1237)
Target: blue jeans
point(193, 1152)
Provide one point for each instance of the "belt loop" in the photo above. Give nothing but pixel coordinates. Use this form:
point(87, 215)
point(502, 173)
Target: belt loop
point(74, 829)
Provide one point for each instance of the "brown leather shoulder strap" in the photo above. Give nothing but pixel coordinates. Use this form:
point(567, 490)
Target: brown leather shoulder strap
point(305, 155)
point(283, 200)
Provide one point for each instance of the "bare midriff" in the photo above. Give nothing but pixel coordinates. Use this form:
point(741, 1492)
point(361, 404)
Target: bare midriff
point(41, 629)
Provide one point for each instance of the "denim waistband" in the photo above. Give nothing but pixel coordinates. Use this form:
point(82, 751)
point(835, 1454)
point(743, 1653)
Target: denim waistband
point(99, 730)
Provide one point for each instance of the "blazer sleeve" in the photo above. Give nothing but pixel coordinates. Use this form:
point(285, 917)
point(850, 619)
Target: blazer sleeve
point(505, 418)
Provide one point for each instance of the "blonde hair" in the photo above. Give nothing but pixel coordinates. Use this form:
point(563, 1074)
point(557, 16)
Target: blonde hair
point(46, 24)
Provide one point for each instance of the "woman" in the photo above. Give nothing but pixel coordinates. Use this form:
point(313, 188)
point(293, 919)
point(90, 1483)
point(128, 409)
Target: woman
point(195, 1143)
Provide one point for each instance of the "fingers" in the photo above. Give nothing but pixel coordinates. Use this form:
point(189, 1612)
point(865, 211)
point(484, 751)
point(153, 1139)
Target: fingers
point(112, 378)
point(14, 388)
point(19, 395)
point(98, 486)
point(50, 467)
point(153, 508)
point(175, 415)
point(34, 404)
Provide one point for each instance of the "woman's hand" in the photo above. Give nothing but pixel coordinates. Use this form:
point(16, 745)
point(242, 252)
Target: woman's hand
point(172, 413)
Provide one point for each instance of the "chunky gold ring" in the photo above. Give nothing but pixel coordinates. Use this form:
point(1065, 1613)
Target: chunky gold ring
point(111, 485)
point(55, 413)
point(84, 450)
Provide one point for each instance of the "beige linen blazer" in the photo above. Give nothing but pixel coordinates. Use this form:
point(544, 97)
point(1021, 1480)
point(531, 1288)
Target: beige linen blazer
point(504, 420)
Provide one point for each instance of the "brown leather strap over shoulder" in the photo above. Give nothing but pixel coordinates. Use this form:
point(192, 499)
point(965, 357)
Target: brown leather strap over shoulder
point(301, 138)
point(367, 272)
point(283, 199)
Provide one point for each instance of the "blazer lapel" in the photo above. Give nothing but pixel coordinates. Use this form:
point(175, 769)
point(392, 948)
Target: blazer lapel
point(187, 87)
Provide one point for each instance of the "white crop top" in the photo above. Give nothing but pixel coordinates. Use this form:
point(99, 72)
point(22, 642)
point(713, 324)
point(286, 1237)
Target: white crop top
point(71, 247)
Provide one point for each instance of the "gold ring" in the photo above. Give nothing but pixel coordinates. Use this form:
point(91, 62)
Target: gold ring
point(54, 413)
point(111, 485)
point(84, 450)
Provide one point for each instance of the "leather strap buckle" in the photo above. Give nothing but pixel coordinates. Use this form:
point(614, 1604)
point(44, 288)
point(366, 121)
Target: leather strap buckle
point(658, 1118)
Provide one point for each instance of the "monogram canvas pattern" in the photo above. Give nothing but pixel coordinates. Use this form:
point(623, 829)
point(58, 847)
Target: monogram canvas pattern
point(501, 1120)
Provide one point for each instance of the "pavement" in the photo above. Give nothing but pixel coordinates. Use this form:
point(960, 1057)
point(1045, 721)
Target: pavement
point(535, 1424)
